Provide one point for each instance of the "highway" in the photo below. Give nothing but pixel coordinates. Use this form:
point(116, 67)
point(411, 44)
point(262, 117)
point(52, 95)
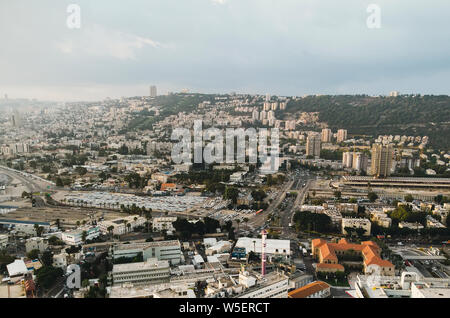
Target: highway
point(30, 184)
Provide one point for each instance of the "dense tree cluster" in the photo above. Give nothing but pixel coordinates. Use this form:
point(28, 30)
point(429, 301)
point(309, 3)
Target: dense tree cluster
point(362, 114)
point(309, 221)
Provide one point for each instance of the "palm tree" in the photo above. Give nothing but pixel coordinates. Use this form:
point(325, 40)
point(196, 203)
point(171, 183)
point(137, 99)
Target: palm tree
point(110, 229)
point(238, 221)
point(148, 216)
point(129, 226)
point(84, 236)
point(246, 221)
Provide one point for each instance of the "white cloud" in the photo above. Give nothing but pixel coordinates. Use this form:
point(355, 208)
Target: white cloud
point(95, 40)
point(219, 1)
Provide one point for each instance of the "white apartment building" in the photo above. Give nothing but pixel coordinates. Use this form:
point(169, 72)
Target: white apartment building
point(161, 250)
point(120, 225)
point(3, 240)
point(163, 223)
point(356, 223)
point(36, 243)
point(149, 272)
point(75, 237)
point(341, 135)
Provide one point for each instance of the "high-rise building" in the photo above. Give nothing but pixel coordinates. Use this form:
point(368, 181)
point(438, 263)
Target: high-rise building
point(271, 114)
point(381, 160)
point(347, 159)
point(313, 146)
point(394, 94)
point(360, 161)
point(267, 106)
point(267, 97)
point(274, 105)
point(255, 115)
point(341, 135)
point(283, 105)
point(262, 115)
point(153, 92)
point(326, 135)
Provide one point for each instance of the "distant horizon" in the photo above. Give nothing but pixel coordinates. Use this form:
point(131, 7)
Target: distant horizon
point(2, 98)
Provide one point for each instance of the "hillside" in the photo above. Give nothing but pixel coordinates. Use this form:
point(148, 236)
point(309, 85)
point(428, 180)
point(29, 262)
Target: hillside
point(361, 114)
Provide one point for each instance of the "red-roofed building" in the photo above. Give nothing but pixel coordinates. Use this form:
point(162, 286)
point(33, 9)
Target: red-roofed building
point(328, 256)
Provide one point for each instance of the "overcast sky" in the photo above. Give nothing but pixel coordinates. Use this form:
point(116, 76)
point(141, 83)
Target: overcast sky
point(283, 47)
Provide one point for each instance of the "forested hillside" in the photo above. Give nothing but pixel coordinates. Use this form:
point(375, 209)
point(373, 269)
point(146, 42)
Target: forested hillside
point(361, 114)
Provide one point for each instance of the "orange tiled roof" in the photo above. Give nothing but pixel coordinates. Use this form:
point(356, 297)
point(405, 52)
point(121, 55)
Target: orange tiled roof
point(369, 249)
point(166, 186)
point(326, 266)
point(327, 252)
point(308, 290)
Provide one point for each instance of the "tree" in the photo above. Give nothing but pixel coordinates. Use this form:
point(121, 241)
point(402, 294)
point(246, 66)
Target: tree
point(409, 198)
point(338, 194)
point(81, 170)
point(238, 221)
point(148, 217)
point(33, 254)
point(231, 193)
point(47, 258)
point(110, 229)
point(84, 236)
point(372, 196)
point(46, 276)
point(59, 182)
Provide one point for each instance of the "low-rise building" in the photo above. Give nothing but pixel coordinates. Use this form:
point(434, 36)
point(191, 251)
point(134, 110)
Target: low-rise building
point(332, 255)
point(163, 223)
point(317, 289)
point(36, 243)
point(356, 223)
point(3, 240)
point(75, 237)
point(149, 272)
point(120, 225)
point(162, 250)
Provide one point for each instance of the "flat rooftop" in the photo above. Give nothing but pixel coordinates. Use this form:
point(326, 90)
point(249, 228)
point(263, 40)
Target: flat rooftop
point(272, 246)
point(151, 263)
point(145, 245)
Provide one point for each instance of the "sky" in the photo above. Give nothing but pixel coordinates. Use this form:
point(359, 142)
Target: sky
point(280, 47)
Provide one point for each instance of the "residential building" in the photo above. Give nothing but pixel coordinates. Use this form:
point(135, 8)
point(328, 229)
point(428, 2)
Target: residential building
point(163, 223)
point(356, 223)
point(382, 157)
point(3, 240)
point(326, 135)
point(120, 225)
point(75, 237)
point(313, 146)
point(36, 243)
point(341, 135)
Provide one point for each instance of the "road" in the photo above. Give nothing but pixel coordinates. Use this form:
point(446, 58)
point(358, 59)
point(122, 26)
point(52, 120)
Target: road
point(28, 183)
point(287, 214)
point(261, 218)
